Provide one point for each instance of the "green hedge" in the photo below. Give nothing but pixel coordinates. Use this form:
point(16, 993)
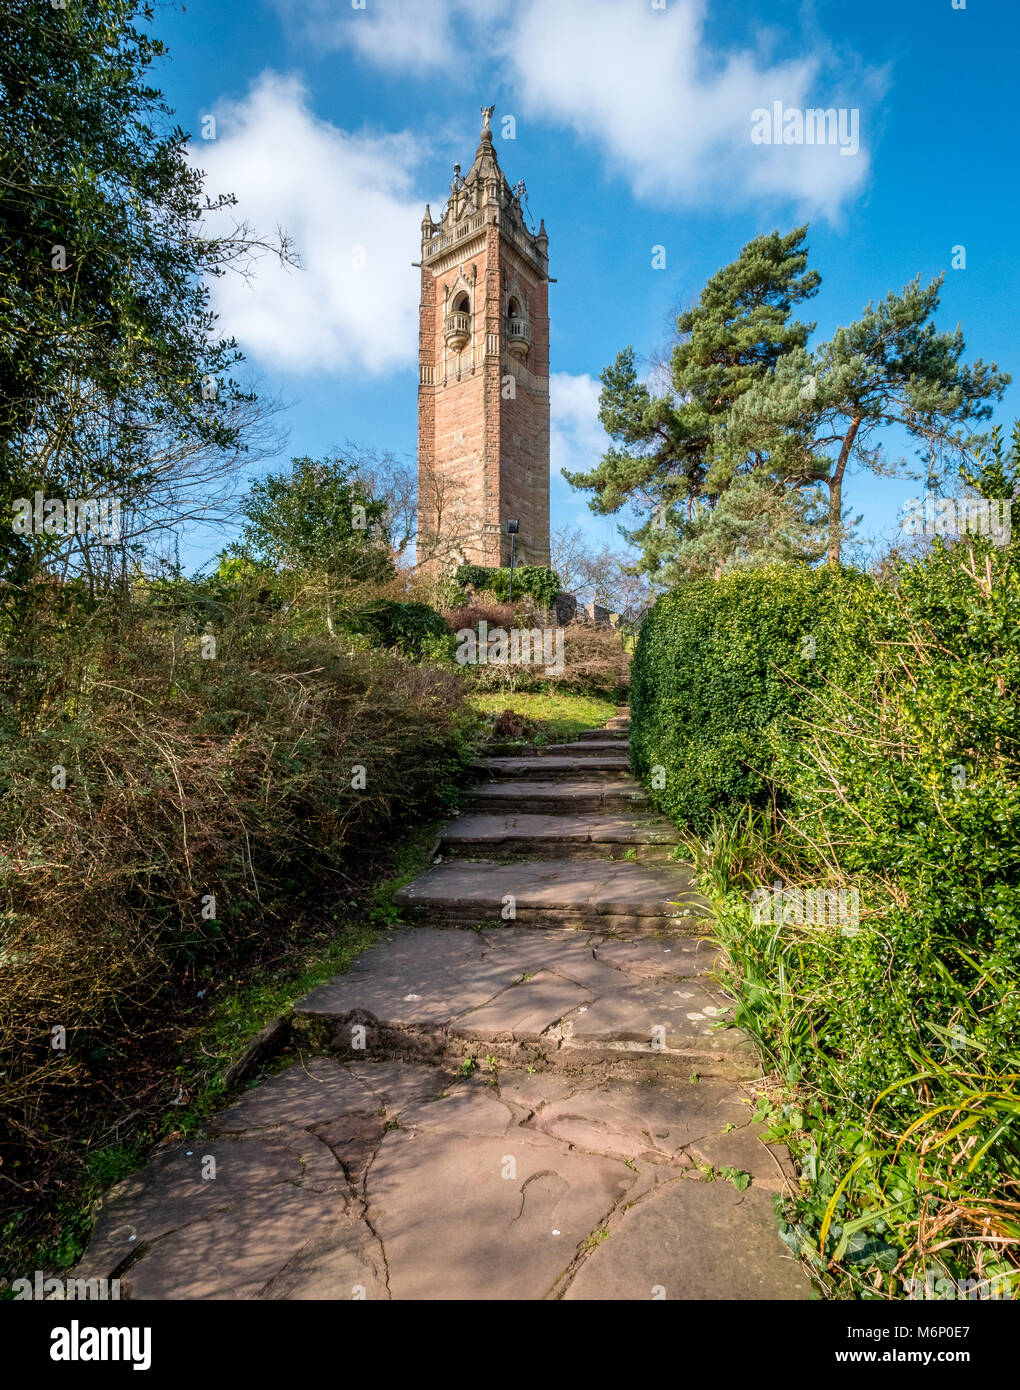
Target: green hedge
point(718, 668)
point(889, 768)
point(538, 581)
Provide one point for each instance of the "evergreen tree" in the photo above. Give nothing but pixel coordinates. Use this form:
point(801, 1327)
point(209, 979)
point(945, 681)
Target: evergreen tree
point(819, 413)
point(663, 460)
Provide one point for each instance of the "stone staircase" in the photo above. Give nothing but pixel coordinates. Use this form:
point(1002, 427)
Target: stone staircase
point(589, 938)
point(544, 1107)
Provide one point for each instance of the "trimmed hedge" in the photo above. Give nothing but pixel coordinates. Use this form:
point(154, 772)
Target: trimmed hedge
point(719, 666)
point(888, 768)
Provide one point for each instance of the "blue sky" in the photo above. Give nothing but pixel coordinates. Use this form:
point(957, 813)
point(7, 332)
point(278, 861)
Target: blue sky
point(339, 120)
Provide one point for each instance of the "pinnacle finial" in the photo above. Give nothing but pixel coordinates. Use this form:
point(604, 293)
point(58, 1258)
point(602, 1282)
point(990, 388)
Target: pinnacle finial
point(486, 118)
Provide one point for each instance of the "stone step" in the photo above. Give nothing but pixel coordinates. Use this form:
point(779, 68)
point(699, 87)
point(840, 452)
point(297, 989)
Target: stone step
point(603, 768)
point(556, 797)
point(557, 837)
point(561, 998)
point(603, 735)
point(593, 893)
point(589, 748)
point(392, 1178)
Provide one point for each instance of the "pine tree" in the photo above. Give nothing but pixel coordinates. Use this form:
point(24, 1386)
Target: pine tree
point(819, 413)
point(663, 459)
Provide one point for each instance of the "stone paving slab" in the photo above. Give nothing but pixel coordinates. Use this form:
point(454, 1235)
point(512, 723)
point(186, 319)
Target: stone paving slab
point(601, 768)
point(590, 748)
point(692, 1240)
point(591, 888)
point(483, 1235)
point(569, 995)
point(572, 830)
point(581, 795)
point(515, 1185)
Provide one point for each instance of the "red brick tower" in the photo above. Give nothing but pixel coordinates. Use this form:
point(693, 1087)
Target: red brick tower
point(483, 397)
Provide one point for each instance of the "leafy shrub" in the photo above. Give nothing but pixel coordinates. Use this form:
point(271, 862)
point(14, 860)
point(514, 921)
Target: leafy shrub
point(719, 667)
point(408, 627)
point(540, 582)
point(473, 576)
point(906, 783)
point(895, 1039)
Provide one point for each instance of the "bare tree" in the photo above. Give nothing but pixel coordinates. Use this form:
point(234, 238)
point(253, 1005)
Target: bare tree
point(599, 574)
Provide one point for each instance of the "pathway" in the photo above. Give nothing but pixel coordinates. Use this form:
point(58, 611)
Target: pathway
point(526, 1094)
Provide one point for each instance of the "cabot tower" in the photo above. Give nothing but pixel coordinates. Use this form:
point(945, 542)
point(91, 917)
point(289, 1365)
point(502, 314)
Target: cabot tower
point(483, 395)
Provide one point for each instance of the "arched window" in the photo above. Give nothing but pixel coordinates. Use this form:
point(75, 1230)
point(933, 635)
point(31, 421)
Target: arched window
point(457, 329)
point(518, 328)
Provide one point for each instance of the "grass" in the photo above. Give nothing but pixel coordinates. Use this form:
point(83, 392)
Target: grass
point(558, 717)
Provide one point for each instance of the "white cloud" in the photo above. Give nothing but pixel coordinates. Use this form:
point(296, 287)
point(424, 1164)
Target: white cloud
point(350, 204)
point(408, 35)
point(671, 115)
point(576, 442)
point(576, 439)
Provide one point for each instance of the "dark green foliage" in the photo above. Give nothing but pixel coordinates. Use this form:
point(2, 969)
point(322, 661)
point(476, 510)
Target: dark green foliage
point(822, 411)
point(719, 667)
point(317, 518)
point(897, 778)
point(107, 338)
point(537, 581)
point(664, 445)
point(473, 576)
point(413, 628)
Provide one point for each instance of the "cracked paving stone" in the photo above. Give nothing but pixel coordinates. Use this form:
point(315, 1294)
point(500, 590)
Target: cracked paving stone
point(169, 1202)
point(300, 1096)
point(692, 1240)
point(471, 1107)
point(689, 1013)
point(236, 1252)
point(343, 1261)
point(665, 1118)
point(524, 1011)
point(425, 976)
point(666, 958)
point(479, 1234)
point(397, 1084)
